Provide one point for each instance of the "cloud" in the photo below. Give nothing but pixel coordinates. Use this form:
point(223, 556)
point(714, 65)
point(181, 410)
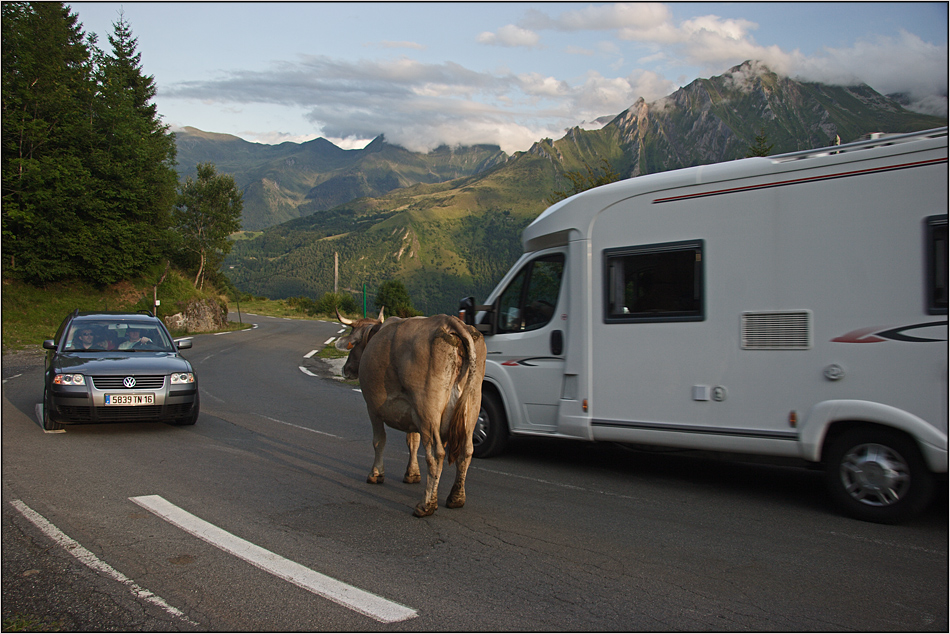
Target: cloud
point(905, 64)
point(510, 35)
point(417, 105)
point(422, 105)
point(410, 45)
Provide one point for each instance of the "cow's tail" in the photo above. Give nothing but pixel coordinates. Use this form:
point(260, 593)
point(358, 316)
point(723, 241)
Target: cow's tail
point(470, 389)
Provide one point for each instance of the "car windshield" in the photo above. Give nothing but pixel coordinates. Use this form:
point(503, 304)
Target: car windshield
point(104, 335)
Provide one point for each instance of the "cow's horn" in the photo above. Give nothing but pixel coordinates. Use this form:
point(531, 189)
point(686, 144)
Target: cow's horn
point(343, 320)
point(381, 318)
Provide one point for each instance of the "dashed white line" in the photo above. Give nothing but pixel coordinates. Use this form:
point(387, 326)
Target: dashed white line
point(305, 371)
point(310, 354)
point(316, 431)
point(75, 549)
point(367, 603)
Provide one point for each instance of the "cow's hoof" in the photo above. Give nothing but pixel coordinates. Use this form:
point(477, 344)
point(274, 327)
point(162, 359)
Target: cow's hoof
point(423, 510)
point(456, 499)
point(377, 479)
point(412, 478)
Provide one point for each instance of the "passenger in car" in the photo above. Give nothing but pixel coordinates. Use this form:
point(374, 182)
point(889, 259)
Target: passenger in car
point(84, 339)
point(106, 340)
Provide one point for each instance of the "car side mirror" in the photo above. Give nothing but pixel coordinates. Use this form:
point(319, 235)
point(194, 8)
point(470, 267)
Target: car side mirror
point(50, 344)
point(184, 344)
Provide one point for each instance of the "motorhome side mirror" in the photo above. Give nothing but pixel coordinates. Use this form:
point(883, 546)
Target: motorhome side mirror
point(468, 309)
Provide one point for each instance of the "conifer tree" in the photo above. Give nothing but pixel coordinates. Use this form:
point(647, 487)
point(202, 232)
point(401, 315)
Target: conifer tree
point(133, 161)
point(761, 147)
point(47, 96)
point(87, 166)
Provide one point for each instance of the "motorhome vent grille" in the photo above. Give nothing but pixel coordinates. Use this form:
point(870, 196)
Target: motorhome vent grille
point(776, 330)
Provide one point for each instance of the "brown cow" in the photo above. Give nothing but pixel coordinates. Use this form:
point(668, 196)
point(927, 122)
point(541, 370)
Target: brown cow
point(423, 376)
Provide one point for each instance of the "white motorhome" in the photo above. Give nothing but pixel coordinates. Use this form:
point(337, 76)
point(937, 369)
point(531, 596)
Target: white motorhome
point(793, 305)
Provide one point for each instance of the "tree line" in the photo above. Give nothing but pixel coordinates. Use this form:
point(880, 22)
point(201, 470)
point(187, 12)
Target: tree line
point(89, 187)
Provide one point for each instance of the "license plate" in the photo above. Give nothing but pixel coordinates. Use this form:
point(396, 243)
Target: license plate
point(130, 399)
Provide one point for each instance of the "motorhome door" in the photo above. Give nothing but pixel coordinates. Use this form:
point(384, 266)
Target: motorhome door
point(529, 339)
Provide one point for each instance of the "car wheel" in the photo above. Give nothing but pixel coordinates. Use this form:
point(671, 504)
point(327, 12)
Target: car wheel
point(491, 428)
point(878, 475)
point(48, 423)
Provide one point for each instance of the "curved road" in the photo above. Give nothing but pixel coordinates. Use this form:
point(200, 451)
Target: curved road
point(259, 518)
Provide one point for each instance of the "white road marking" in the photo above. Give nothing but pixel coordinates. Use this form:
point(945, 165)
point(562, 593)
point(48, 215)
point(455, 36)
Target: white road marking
point(371, 605)
point(75, 549)
point(282, 422)
point(888, 544)
point(306, 371)
point(310, 354)
point(21, 374)
point(329, 341)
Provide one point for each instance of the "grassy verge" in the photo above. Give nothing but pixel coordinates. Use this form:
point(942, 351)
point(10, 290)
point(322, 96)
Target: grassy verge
point(31, 314)
point(29, 623)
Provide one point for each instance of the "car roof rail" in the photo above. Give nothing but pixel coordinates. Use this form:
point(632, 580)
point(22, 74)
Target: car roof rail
point(75, 312)
point(147, 312)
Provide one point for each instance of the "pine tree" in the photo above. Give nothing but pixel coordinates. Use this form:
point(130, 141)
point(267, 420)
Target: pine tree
point(761, 147)
point(47, 96)
point(133, 161)
point(87, 166)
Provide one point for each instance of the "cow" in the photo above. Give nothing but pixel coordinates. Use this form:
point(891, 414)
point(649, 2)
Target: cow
point(423, 376)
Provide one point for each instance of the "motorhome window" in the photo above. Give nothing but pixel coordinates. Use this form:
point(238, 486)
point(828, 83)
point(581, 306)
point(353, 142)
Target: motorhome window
point(937, 265)
point(529, 300)
point(659, 282)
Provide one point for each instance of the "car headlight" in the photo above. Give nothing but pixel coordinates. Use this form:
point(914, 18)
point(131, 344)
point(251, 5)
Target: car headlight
point(179, 378)
point(69, 379)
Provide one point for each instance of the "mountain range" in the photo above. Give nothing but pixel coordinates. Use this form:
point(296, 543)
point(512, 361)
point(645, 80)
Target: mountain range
point(286, 181)
point(448, 223)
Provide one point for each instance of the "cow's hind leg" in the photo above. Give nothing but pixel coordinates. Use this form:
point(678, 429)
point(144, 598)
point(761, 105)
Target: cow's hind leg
point(378, 473)
point(434, 456)
point(413, 475)
point(456, 498)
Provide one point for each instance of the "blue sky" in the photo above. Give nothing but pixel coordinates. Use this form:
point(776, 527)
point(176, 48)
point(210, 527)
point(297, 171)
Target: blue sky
point(506, 73)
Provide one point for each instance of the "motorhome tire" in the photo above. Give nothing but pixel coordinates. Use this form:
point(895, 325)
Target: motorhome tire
point(491, 430)
point(877, 475)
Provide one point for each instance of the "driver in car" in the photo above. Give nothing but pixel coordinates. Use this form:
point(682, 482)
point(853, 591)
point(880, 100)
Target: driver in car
point(135, 338)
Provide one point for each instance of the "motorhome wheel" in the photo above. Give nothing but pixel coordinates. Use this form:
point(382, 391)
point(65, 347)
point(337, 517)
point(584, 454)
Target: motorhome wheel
point(878, 475)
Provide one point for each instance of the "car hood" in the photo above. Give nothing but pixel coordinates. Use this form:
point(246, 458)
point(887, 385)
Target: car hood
point(118, 362)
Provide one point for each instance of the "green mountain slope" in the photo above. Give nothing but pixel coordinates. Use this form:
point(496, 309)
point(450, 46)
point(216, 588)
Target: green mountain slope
point(290, 180)
point(458, 238)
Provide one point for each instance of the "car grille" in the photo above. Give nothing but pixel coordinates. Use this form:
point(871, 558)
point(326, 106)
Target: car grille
point(148, 412)
point(142, 382)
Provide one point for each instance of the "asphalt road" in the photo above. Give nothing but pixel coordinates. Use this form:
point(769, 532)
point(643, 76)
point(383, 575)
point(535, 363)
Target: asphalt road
point(259, 518)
